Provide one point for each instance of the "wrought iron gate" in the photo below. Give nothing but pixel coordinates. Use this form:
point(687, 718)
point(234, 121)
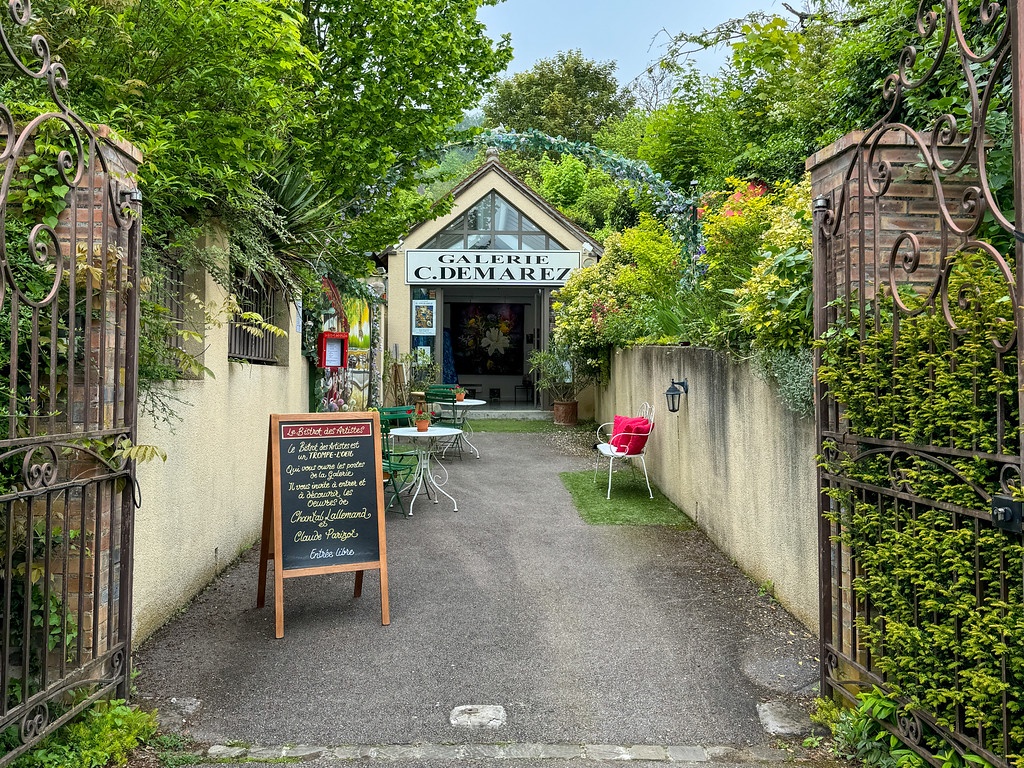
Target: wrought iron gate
point(68, 355)
point(918, 306)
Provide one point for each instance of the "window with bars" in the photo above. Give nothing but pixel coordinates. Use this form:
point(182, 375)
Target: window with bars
point(168, 291)
point(494, 224)
point(247, 341)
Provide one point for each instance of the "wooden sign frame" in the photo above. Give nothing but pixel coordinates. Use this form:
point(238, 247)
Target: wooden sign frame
point(271, 544)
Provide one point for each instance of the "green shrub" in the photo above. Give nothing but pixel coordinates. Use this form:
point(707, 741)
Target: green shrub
point(775, 305)
point(101, 736)
point(940, 622)
point(613, 303)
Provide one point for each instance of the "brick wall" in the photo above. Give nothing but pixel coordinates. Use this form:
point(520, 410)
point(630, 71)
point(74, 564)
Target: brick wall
point(95, 254)
point(870, 226)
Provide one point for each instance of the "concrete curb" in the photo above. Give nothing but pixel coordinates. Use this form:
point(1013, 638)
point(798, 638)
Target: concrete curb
point(682, 754)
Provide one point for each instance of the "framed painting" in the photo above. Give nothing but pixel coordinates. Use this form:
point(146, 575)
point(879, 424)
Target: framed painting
point(424, 317)
point(488, 338)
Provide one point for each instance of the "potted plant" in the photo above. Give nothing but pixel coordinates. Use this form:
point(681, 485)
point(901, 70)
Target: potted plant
point(563, 376)
point(422, 417)
point(460, 394)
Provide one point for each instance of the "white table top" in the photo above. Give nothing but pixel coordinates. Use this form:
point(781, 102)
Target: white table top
point(467, 401)
point(429, 432)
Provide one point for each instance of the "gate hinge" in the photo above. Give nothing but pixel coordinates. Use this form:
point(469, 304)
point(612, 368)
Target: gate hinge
point(1008, 514)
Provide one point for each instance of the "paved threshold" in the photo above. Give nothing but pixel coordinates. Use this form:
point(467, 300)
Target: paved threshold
point(528, 751)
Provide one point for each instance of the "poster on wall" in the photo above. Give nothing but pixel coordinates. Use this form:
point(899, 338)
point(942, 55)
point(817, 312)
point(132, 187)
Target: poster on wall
point(424, 317)
point(488, 338)
point(348, 389)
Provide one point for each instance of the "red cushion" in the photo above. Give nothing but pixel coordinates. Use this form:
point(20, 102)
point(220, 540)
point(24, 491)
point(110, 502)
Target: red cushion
point(619, 440)
point(641, 429)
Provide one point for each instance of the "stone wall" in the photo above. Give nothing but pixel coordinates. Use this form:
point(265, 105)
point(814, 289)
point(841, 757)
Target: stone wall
point(734, 458)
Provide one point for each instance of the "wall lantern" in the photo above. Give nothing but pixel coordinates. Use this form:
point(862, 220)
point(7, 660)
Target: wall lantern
point(130, 195)
point(333, 349)
point(675, 393)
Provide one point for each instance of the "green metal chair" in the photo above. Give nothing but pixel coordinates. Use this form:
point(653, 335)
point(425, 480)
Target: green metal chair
point(398, 466)
point(442, 389)
point(447, 414)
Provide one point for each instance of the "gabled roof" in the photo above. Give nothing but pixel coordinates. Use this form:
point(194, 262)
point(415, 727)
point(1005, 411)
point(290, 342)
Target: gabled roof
point(492, 165)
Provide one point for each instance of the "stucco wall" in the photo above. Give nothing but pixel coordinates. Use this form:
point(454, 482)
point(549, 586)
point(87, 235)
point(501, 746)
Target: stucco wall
point(734, 458)
point(204, 505)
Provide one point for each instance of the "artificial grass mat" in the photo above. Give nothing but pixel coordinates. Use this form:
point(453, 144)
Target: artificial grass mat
point(629, 504)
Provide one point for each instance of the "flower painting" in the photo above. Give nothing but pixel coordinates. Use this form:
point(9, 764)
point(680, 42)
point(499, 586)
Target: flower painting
point(488, 338)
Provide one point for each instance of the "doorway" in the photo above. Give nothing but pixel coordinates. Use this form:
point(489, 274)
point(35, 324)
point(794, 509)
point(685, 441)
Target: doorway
point(488, 334)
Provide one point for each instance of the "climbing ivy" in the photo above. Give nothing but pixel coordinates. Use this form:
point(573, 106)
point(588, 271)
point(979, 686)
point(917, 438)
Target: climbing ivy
point(945, 597)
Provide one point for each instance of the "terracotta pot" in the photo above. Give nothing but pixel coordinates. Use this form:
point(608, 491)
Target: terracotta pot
point(566, 413)
point(460, 396)
point(422, 425)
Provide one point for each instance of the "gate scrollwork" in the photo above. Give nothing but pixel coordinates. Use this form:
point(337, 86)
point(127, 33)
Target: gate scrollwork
point(917, 250)
point(68, 389)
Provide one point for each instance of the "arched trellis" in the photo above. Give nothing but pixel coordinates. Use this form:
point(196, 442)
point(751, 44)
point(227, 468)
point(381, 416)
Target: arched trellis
point(677, 211)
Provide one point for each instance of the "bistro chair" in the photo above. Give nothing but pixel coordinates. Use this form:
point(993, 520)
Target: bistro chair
point(625, 439)
point(441, 389)
point(397, 465)
point(447, 415)
point(399, 416)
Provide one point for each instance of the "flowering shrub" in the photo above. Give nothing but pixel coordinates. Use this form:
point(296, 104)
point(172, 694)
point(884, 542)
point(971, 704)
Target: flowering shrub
point(753, 272)
point(612, 303)
point(734, 223)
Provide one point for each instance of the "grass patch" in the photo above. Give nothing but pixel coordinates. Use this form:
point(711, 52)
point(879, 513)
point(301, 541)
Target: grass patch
point(629, 504)
point(532, 426)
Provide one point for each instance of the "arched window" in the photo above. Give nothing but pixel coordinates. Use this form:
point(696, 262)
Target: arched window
point(494, 224)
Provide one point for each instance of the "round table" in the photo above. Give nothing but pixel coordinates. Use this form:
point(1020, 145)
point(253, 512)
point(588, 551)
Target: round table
point(461, 418)
point(426, 442)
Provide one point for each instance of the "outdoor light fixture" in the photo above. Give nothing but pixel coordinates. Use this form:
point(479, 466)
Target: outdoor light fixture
point(675, 392)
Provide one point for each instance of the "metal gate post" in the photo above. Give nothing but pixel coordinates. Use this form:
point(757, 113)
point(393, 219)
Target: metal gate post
point(822, 211)
point(1017, 87)
point(128, 498)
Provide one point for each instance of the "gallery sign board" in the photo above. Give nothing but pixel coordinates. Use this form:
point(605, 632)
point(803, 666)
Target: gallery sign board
point(446, 267)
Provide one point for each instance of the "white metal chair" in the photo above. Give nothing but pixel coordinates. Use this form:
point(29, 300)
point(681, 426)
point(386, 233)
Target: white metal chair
point(606, 450)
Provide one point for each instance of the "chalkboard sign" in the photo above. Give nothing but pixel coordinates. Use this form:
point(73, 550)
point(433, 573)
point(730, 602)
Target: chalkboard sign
point(324, 501)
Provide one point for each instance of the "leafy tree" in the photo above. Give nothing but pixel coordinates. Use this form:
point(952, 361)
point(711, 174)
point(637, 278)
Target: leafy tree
point(567, 95)
point(207, 90)
point(396, 77)
point(691, 137)
point(290, 123)
point(623, 135)
point(586, 196)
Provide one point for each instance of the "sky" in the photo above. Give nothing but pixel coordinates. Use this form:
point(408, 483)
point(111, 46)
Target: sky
point(622, 30)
